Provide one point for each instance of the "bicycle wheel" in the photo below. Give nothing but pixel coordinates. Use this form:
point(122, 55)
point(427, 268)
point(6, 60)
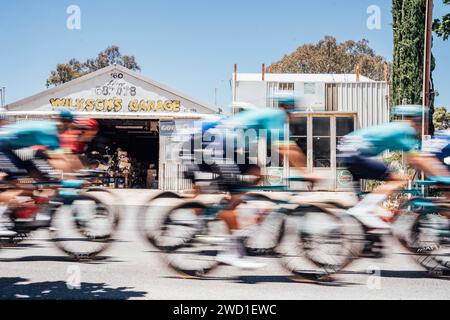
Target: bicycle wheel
point(152, 215)
point(7, 223)
point(102, 196)
point(84, 227)
point(192, 239)
point(264, 233)
point(428, 239)
point(328, 238)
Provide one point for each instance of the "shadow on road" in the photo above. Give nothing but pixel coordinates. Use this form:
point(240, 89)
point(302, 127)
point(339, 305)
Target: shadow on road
point(272, 279)
point(292, 279)
point(98, 260)
point(402, 274)
point(18, 289)
point(20, 246)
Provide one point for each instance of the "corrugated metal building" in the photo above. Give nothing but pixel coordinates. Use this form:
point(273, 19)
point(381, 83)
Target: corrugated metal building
point(332, 106)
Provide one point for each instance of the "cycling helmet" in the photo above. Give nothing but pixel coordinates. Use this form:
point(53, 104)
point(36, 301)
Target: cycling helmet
point(409, 111)
point(87, 124)
point(288, 101)
point(242, 106)
point(66, 115)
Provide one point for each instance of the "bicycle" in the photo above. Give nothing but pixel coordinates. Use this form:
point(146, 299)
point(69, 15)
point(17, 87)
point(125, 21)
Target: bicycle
point(423, 228)
point(69, 206)
point(191, 233)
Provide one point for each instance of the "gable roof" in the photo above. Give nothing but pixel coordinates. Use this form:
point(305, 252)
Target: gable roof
point(105, 70)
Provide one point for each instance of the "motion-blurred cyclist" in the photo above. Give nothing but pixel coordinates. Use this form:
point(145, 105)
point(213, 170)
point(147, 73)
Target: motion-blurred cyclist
point(236, 166)
point(33, 148)
point(439, 147)
point(359, 150)
point(20, 157)
point(75, 141)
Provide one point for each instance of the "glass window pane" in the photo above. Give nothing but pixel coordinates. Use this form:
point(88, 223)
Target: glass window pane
point(302, 142)
point(339, 162)
point(299, 126)
point(322, 152)
point(344, 125)
point(321, 126)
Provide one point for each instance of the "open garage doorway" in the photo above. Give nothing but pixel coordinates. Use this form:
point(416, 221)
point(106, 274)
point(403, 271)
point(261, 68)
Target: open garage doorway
point(129, 151)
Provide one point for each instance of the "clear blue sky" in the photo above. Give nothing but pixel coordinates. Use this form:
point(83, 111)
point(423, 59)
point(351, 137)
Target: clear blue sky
point(189, 45)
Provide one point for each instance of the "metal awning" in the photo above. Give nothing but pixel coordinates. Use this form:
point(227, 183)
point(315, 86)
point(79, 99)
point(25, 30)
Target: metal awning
point(111, 115)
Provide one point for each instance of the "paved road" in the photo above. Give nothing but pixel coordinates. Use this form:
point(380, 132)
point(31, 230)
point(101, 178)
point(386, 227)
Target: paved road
point(131, 269)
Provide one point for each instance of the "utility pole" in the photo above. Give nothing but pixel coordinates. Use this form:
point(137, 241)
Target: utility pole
point(427, 70)
point(427, 63)
point(215, 97)
point(2, 97)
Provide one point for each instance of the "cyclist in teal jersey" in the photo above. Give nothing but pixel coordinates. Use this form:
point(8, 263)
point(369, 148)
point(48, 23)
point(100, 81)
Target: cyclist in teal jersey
point(40, 156)
point(248, 127)
point(359, 149)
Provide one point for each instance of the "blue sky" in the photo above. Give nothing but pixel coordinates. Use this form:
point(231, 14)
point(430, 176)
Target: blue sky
point(189, 45)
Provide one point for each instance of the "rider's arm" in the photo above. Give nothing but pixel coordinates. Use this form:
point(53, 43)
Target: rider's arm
point(427, 163)
point(293, 153)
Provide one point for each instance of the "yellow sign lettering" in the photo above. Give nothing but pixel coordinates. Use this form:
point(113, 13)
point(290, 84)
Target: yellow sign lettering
point(90, 104)
point(133, 106)
point(79, 104)
point(116, 105)
point(57, 103)
point(108, 105)
point(99, 104)
point(143, 106)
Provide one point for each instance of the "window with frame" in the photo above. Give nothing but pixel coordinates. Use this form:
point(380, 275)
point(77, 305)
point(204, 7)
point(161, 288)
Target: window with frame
point(286, 86)
point(344, 126)
point(321, 142)
point(299, 133)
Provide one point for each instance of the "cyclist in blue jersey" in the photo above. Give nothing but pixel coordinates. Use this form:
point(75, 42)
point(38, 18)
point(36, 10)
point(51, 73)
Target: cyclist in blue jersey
point(30, 148)
point(439, 146)
point(359, 150)
point(192, 147)
point(24, 136)
point(231, 153)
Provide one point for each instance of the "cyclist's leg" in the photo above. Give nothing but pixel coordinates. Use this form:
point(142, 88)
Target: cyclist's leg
point(235, 252)
point(229, 173)
point(232, 175)
point(367, 168)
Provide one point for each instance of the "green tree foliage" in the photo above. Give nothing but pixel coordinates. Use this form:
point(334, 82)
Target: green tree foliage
point(75, 69)
point(442, 26)
point(441, 118)
point(408, 61)
point(329, 56)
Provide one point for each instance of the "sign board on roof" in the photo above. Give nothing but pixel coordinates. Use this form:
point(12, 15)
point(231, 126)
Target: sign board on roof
point(112, 90)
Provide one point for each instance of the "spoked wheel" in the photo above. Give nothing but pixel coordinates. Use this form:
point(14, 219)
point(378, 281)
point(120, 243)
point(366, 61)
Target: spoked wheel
point(7, 223)
point(328, 239)
point(152, 217)
point(265, 231)
point(83, 228)
point(192, 239)
point(429, 241)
